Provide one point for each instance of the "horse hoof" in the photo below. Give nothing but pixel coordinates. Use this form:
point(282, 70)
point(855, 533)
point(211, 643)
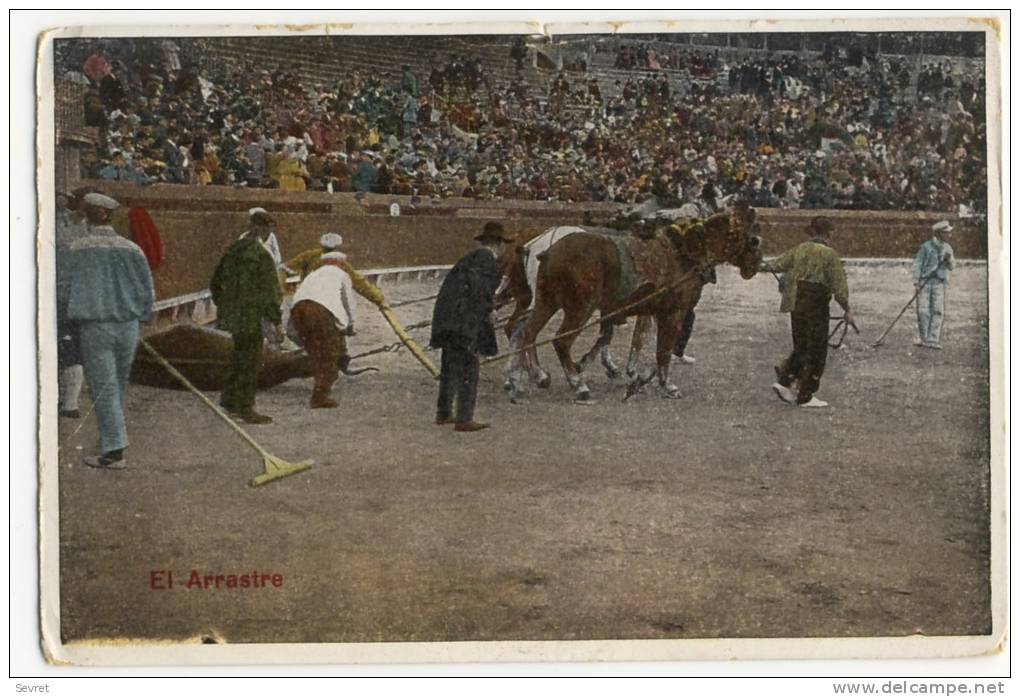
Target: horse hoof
point(671, 392)
point(584, 399)
point(507, 385)
point(612, 373)
point(544, 382)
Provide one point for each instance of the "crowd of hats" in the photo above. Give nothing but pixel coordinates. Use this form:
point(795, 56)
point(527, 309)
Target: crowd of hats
point(779, 131)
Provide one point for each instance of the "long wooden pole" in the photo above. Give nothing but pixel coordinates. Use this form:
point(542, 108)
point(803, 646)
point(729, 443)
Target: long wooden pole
point(414, 348)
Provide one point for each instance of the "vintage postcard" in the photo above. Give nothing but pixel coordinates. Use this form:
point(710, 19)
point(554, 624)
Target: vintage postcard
point(384, 343)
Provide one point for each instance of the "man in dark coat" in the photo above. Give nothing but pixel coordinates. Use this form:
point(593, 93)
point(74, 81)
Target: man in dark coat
point(246, 291)
point(462, 327)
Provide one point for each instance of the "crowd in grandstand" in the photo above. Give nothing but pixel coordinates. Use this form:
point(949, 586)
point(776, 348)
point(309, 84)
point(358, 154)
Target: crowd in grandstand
point(779, 130)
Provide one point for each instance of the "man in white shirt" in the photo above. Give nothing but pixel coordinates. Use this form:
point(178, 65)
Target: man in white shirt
point(323, 317)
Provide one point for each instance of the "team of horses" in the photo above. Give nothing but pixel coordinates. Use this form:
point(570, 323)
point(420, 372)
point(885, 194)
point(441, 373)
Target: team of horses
point(652, 270)
point(655, 276)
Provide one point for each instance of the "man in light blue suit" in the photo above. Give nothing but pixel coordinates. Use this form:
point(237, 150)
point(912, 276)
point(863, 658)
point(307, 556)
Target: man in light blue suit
point(109, 293)
point(932, 264)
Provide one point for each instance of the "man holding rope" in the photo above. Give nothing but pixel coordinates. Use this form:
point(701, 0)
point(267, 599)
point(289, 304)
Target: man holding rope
point(932, 264)
point(462, 327)
point(309, 260)
point(812, 275)
point(323, 318)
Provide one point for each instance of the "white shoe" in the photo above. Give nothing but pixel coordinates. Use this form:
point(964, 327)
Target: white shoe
point(918, 342)
point(937, 347)
point(784, 393)
point(689, 360)
point(815, 403)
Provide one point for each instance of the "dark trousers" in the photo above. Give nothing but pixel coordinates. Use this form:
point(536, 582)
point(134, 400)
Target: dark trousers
point(685, 334)
point(809, 323)
point(68, 343)
point(239, 391)
point(458, 378)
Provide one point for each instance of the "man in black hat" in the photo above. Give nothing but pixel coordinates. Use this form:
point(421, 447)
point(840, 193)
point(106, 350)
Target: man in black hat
point(462, 327)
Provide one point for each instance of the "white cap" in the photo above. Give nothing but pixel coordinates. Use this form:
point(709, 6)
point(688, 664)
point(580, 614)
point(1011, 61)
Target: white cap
point(100, 201)
point(334, 256)
point(331, 240)
point(941, 227)
point(257, 210)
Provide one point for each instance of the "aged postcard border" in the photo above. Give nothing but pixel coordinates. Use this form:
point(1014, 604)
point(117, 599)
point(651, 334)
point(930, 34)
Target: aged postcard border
point(131, 653)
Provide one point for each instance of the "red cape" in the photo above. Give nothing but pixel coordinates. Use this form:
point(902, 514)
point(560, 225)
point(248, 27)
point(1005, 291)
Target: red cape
point(145, 234)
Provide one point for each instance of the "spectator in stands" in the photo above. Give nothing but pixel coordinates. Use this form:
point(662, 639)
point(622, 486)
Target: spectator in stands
point(119, 170)
point(408, 81)
point(366, 174)
point(96, 67)
point(881, 148)
point(518, 52)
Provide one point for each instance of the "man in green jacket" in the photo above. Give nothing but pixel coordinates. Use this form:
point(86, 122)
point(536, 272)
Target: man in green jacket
point(246, 291)
point(812, 275)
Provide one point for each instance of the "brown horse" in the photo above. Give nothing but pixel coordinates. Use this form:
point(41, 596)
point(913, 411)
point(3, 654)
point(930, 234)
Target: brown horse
point(519, 265)
point(661, 277)
point(203, 356)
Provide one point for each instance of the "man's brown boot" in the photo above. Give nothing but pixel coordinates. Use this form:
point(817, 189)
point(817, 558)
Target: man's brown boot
point(468, 426)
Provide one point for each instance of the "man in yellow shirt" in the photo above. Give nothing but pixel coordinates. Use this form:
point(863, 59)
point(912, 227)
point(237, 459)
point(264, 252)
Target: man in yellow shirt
point(310, 260)
point(812, 275)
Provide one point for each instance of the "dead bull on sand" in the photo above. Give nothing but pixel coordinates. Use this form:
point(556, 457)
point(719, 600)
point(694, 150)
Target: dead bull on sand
point(202, 355)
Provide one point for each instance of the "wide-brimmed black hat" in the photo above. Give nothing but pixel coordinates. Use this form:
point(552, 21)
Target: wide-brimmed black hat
point(493, 231)
point(821, 225)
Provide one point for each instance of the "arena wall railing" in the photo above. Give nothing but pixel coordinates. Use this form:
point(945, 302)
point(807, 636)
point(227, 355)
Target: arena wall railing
point(197, 224)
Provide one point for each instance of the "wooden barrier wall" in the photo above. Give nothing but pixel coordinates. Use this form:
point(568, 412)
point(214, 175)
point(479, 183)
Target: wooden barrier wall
point(197, 224)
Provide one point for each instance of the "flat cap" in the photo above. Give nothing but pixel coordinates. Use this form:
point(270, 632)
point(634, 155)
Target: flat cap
point(101, 201)
point(331, 240)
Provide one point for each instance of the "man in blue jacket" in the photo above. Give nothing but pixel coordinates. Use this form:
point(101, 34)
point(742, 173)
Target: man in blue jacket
point(462, 327)
point(932, 264)
point(109, 293)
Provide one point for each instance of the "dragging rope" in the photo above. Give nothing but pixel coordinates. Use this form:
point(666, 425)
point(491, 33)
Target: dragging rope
point(602, 318)
point(844, 325)
point(414, 301)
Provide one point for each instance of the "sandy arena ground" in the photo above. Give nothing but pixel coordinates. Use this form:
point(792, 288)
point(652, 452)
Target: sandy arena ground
point(722, 514)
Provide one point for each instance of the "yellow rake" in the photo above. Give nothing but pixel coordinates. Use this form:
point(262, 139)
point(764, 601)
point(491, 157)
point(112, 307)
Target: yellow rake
point(274, 467)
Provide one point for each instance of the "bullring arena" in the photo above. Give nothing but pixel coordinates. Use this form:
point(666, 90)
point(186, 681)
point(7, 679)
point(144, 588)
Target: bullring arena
point(723, 513)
